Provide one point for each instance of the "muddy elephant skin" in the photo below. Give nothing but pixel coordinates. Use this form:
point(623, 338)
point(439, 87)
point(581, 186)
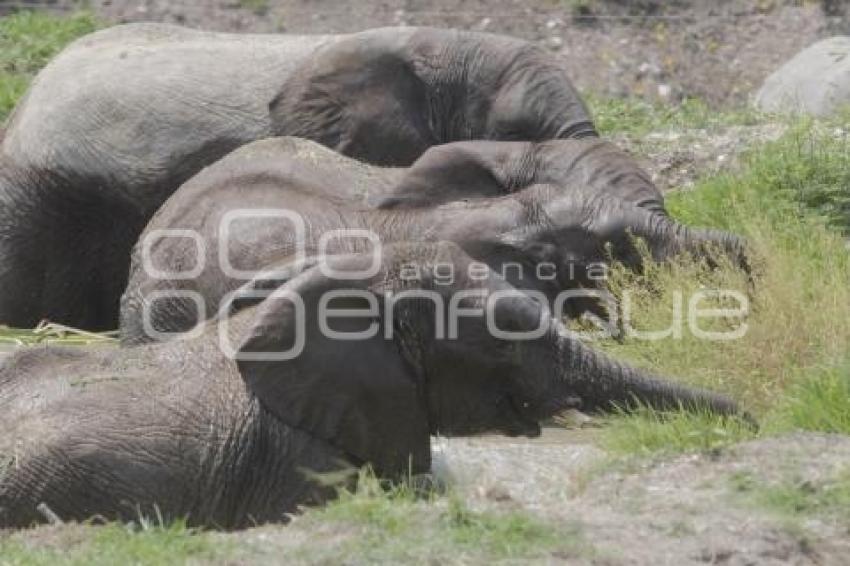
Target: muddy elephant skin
point(124, 116)
point(228, 439)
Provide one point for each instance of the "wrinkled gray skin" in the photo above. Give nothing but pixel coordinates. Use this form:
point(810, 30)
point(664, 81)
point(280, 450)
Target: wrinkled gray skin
point(181, 430)
point(558, 202)
point(412, 89)
point(124, 116)
point(67, 263)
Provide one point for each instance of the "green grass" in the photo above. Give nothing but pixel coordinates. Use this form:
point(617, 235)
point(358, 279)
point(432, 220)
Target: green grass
point(401, 525)
point(805, 173)
point(374, 524)
point(651, 433)
point(817, 403)
point(259, 7)
point(52, 333)
point(637, 117)
point(791, 498)
point(791, 366)
point(113, 544)
point(28, 39)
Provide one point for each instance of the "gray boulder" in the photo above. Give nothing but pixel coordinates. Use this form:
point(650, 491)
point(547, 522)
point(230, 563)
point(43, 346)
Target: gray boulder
point(815, 81)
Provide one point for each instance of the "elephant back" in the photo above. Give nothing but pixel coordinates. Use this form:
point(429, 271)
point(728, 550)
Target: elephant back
point(145, 106)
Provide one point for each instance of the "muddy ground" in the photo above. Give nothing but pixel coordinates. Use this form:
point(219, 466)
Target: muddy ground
point(719, 51)
point(689, 510)
point(745, 505)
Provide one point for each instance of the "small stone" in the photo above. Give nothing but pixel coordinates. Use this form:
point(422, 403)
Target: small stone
point(573, 418)
point(498, 493)
point(648, 69)
point(664, 91)
point(555, 42)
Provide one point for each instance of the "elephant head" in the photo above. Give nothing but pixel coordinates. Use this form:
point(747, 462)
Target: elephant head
point(618, 193)
point(384, 96)
point(551, 240)
point(587, 226)
point(401, 359)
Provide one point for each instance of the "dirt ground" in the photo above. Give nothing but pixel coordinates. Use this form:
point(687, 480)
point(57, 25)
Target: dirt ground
point(690, 510)
point(719, 51)
point(710, 508)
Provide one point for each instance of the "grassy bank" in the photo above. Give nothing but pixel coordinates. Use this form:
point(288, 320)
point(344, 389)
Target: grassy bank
point(27, 41)
point(792, 367)
point(373, 525)
point(635, 117)
point(112, 544)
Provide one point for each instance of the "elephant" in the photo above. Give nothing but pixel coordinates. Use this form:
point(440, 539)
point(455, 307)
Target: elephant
point(63, 248)
point(222, 428)
point(122, 117)
point(548, 215)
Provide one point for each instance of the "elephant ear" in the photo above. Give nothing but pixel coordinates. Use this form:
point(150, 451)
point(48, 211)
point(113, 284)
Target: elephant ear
point(459, 170)
point(361, 98)
point(360, 396)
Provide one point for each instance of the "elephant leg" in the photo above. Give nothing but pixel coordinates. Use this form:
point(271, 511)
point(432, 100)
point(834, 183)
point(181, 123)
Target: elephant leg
point(21, 286)
point(65, 249)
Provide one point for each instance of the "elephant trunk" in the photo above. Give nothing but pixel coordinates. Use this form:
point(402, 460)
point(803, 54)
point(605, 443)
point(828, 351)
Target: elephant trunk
point(702, 242)
point(667, 238)
point(601, 383)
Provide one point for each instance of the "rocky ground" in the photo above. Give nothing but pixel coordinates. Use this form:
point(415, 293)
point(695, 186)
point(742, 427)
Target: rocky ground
point(677, 158)
point(719, 51)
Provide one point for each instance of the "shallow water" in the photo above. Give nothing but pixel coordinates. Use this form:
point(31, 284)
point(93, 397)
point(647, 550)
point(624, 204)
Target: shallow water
point(531, 471)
